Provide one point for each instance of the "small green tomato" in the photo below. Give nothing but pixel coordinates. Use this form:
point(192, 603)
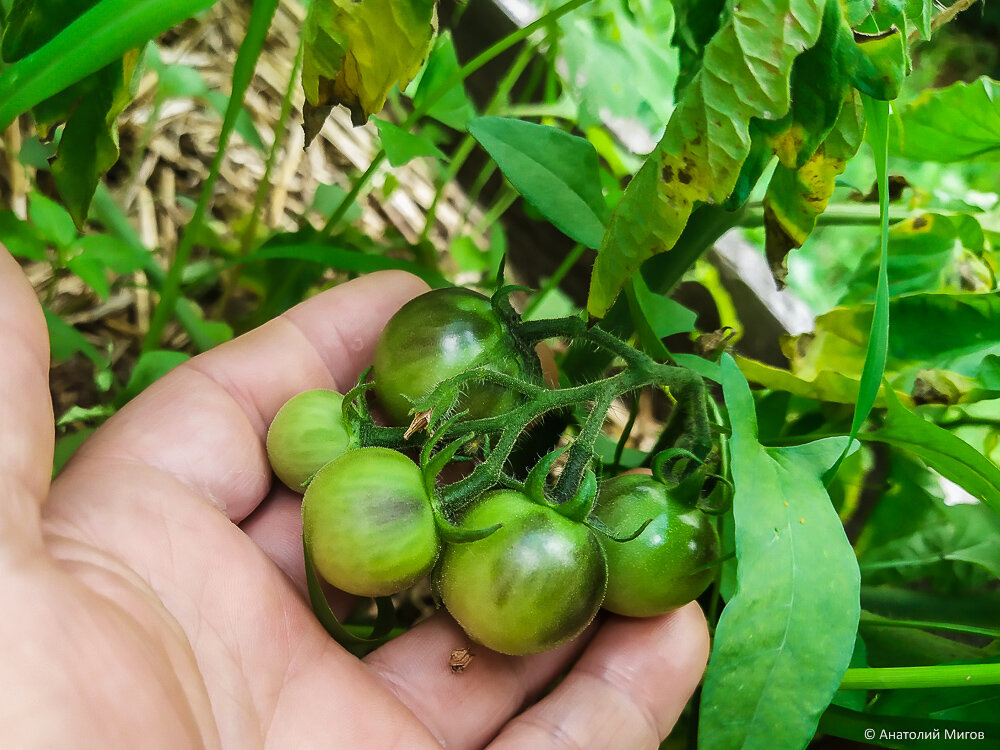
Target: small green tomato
point(306, 434)
point(669, 563)
point(369, 523)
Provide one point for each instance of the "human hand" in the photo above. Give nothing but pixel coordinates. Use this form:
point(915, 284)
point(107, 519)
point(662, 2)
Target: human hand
point(156, 589)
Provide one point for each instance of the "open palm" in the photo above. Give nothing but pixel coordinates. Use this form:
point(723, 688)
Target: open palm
point(154, 592)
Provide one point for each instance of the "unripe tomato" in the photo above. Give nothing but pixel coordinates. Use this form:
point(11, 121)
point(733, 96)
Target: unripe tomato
point(306, 434)
point(532, 585)
point(369, 522)
point(665, 566)
point(436, 336)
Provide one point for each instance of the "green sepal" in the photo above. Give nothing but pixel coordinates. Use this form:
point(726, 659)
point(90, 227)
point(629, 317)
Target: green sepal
point(688, 490)
point(352, 396)
point(578, 507)
point(321, 607)
point(719, 500)
point(534, 484)
point(431, 466)
point(457, 535)
point(596, 524)
point(665, 456)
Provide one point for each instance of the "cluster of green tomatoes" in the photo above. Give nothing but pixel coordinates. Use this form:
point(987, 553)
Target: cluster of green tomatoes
point(520, 572)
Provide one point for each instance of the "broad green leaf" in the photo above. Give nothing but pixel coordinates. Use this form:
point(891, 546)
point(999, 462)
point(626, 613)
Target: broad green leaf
point(89, 144)
point(21, 238)
point(797, 196)
point(556, 172)
point(957, 123)
point(204, 333)
point(401, 145)
point(822, 385)
point(150, 367)
point(33, 23)
point(656, 316)
point(355, 52)
point(958, 533)
point(92, 273)
point(918, 13)
point(113, 253)
point(940, 449)
point(51, 220)
point(97, 38)
point(328, 197)
point(927, 253)
point(454, 108)
point(951, 332)
point(66, 446)
point(745, 75)
point(786, 636)
point(855, 11)
point(65, 341)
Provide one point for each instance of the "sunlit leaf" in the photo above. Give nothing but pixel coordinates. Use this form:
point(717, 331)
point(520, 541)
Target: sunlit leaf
point(957, 123)
point(401, 145)
point(453, 108)
point(355, 52)
point(555, 171)
point(943, 451)
point(775, 668)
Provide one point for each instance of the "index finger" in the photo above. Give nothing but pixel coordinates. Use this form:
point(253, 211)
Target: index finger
point(204, 423)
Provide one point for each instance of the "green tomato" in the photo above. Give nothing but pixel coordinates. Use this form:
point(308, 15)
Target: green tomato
point(532, 585)
point(306, 434)
point(436, 336)
point(369, 523)
point(669, 563)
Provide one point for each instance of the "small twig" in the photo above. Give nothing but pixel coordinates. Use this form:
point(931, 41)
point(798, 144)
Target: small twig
point(945, 16)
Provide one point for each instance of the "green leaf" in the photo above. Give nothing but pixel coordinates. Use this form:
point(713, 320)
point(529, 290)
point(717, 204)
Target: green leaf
point(775, 667)
point(556, 172)
point(205, 334)
point(51, 220)
point(150, 368)
point(94, 40)
point(33, 23)
point(328, 197)
point(20, 237)
point(65, 341)
point(665, 316)
point(89, 144)
point(927, 253)
point(355, 52)
point(797, 196)
point(91, 273)
point(707, 138)
point(918, 12)
point(401, 145)
point(454, 108)
point(943, 451)
point(66, 446)
point(114, 253)
point(957, 123)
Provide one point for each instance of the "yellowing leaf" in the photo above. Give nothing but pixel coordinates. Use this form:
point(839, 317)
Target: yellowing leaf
point(355, 52)
point(796, 197)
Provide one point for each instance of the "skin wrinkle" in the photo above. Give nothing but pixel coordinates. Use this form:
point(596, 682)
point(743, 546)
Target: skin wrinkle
point(397, 685)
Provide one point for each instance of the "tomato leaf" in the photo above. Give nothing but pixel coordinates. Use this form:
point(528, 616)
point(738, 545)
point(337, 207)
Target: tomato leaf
point(20, 237)
point(401, 145)
point(453, 108)
point(707, 138)
point(51, 220)
point(942, 450)
point(556, 172)
point(150, 368)
point(774, 669)
point(355, 52)
point(957, 123)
